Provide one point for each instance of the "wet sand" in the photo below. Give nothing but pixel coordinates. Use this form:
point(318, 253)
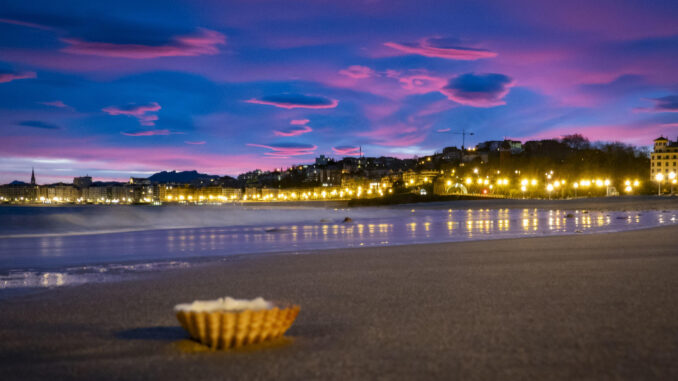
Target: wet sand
point(600, 306)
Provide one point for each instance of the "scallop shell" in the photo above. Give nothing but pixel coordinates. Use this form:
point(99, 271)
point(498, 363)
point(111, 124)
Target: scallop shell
point(231, 329)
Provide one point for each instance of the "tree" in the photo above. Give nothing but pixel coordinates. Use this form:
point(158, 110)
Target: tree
point(576, 141)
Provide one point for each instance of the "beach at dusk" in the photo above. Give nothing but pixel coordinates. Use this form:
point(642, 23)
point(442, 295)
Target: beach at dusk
point(352, 190)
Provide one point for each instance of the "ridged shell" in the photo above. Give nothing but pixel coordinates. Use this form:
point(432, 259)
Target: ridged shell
point(223, 330)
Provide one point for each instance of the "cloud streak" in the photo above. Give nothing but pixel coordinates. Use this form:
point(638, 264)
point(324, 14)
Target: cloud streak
point(346, 150)
point(205, 42)
point(357, 72)
point(286, 149)
point(147, 133)
point(293, 131)
point(13, 76)
point(291, 101)
point(141, 112)
point(58, 104)
point(668, 103)
point(441, 48)
point(39, 124)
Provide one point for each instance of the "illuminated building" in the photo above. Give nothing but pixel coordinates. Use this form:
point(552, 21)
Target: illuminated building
point(664, 158)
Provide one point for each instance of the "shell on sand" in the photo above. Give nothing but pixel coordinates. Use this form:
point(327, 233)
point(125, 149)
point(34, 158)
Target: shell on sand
point(233, 329)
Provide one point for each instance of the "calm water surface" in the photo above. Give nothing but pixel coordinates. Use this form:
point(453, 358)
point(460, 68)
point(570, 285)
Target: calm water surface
point(79, 251)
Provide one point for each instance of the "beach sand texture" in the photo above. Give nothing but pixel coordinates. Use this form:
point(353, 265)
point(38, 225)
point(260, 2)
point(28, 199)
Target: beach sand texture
point(600, 306)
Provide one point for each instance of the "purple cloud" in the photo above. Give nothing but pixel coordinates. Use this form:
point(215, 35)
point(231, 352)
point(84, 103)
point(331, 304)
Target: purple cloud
point(478, 90)
point(147, 133)
point(201, 142)
point(206, 42)
point(287, 149)
point(422, 83)
point(441, 48)
point(346, 150)
point(137, 111)
point(294, 131)
point(299, 122)
point(12, 76)
point(25, 23)
point(58, 104)
point(290, 101)
point(668, 103)
point(39, 124)
point(357, 72)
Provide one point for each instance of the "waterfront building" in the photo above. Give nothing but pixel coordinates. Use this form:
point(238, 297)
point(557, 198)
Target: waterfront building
point(664, 158)
point(82, 182)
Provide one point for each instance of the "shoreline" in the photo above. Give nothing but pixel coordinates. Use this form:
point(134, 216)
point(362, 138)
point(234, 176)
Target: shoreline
point(452, 202)
point(539, 307)
point(624, 203)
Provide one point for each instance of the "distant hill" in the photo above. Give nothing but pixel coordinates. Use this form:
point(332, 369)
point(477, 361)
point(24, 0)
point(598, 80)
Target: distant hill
point(180, 177)
point(17, 182)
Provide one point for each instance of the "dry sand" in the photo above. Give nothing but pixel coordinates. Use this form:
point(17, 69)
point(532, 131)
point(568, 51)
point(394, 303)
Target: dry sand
point(583, 306)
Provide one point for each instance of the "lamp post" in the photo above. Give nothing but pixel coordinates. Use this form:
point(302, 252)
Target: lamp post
point(549, 188)
point(659, 177)
point(672, 179)
point(576, 186)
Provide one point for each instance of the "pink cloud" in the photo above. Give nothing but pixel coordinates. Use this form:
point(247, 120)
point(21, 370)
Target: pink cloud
point(196, 142)
point(443, 130)
point(427, 47)
point(147, 133)
point(347, 150)
point(286, 150)
point(294, 131)
point(291, 101)
point(422, 83)
point(206, 42)
point(59, 104)
point(357, 72)
point(9, 77)
point(299, 122)
point(25, 23)
point(397, 135)
point(137, 111)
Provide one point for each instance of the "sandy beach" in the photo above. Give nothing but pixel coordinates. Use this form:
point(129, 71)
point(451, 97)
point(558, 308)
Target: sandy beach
point(599, 306)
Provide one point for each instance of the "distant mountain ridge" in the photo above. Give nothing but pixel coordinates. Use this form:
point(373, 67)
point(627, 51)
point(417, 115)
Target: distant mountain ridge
point(180, 177)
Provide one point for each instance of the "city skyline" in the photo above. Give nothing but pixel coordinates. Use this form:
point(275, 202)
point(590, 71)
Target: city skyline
point(227, 87)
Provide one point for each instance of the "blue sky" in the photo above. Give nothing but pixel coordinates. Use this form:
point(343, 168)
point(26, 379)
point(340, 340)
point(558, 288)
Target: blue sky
point(134, 87)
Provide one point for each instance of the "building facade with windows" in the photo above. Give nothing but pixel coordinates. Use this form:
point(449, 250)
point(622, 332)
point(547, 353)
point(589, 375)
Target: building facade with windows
point(664, 158)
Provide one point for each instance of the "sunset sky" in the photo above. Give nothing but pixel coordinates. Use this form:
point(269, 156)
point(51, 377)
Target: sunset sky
point(127, 88)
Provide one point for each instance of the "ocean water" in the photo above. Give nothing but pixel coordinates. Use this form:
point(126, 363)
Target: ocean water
point(57, 246)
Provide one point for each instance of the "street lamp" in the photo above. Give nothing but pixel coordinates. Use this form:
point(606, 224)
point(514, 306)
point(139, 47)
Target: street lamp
point(659, 178)
point(576, 186)
point(672, 179)
point(549, 188)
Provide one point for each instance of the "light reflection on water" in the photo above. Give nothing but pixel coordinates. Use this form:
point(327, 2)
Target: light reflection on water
point(41, 256)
